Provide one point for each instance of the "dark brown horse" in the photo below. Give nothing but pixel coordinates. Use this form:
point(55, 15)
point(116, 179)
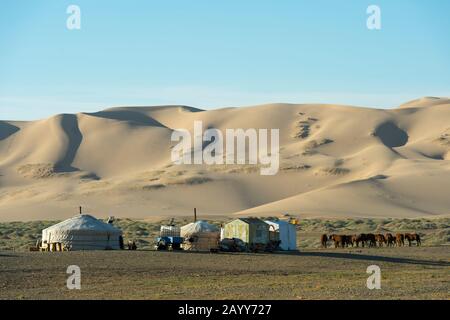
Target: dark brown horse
point(370, 238)
point(339, 240)
point(413, 237)
point(360, 238)
point(324, 240)
point(390, 239)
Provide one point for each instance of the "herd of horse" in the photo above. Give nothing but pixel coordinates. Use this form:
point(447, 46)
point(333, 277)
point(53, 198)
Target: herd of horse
point(370, 240)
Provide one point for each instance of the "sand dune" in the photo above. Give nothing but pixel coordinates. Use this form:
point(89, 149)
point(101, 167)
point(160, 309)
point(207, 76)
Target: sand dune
point(335, 161)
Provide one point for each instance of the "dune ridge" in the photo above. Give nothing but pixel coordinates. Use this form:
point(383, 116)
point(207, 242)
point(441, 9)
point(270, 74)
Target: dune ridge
point(335, 161)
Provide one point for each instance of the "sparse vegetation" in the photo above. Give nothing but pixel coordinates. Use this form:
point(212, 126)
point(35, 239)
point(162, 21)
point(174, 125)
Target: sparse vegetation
point(19, 236)
point(311, 146)
point(303, 131)
point(303, 127)
point(49, 170)
point(444, 139)
point(37, 171)
point(311, 273)
point(295, 167)
point(407, 273)
point(335, 171)
point(191, 180)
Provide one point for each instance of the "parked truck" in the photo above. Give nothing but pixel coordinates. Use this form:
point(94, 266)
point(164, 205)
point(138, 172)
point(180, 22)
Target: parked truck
point(169, 238)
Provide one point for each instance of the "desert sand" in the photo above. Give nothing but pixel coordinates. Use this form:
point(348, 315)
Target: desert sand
point(335, 161)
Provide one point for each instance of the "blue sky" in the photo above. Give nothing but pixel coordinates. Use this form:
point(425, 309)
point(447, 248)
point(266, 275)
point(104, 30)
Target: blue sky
point(219, 53)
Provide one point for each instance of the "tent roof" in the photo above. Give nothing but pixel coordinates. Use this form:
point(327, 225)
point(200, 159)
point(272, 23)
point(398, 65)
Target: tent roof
point(278, 222)
point(83, 222)
point(251, 220)
point(197, 227)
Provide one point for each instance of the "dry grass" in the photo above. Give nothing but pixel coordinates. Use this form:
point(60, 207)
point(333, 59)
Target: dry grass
point(19, 236)
point(407, 273)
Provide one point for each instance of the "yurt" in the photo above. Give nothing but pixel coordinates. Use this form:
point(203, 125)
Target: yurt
point(82, 232)
point(287, 234)
point(200, 236)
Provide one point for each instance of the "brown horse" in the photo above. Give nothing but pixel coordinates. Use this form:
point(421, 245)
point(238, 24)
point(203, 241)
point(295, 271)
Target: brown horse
point(339, 241)
point(380, 239)
point(348, 240)
point(400, 239)
point(360, 238)
point(324, 240)
point(413, 237)
point(370, 238)
point(390, 239)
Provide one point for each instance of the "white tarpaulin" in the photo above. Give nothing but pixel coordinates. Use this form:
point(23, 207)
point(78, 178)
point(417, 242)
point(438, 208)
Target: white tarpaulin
point(288, 234)
point(198, 227)
point(83, 232)
point(200, 236)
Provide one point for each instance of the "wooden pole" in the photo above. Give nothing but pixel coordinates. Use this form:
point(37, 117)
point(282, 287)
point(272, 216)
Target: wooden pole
point(195, 214)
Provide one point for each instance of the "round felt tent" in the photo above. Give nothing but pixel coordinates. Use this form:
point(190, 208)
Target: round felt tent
point(82, 232)
point(200, 236)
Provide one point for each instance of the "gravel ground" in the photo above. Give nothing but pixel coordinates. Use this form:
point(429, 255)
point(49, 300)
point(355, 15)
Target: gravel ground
point(407, 273)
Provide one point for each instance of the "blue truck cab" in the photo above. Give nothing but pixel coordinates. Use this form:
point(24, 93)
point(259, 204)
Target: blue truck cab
point(169, 243)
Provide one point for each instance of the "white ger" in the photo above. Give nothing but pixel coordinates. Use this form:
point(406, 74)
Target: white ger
point(83, 232)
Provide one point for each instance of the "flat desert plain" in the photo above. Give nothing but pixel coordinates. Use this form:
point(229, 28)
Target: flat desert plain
point(311, 273)
point(335, 161)
point(406, 273)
